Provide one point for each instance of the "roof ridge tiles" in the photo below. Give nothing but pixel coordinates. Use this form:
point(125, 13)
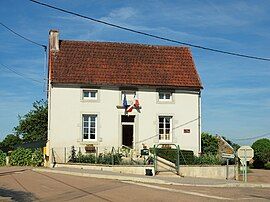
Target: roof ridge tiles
point(126, 43)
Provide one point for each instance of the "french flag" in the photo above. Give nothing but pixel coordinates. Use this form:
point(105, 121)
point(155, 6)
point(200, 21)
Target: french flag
point(125, 105)
point(135, 104)
point(130, 108)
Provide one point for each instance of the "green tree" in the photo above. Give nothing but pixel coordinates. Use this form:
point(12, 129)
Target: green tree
point(261, 152)
point(33, 125)
point(8, 144)
point(209, 144)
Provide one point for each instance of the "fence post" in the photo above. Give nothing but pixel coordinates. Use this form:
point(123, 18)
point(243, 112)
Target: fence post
point(177, 160)
point(112, 156)
point(96, 156)
point(53, 158)
point(7, 161)
point(155, 159)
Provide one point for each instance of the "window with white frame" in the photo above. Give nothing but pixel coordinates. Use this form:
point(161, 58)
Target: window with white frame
point(129, 96)
point(165, 128)
point(90, 94)
point(89, 127)
point(165, 96)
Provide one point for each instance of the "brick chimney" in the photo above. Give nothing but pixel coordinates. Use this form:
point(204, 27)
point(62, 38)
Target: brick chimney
point(54, 40)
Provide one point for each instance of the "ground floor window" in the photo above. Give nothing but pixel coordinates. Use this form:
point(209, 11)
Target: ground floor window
point(165, 128)
point(89, 127)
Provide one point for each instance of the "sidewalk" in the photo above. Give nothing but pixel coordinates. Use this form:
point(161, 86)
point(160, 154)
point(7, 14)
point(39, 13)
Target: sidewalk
point(165, 180)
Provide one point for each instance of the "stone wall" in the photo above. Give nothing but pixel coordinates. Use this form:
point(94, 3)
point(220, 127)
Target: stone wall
point(216, 172)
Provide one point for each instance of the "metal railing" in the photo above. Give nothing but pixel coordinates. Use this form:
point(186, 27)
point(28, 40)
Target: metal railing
point(64, 154)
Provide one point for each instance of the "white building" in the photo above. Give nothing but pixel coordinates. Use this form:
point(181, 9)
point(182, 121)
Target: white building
point(89, 80)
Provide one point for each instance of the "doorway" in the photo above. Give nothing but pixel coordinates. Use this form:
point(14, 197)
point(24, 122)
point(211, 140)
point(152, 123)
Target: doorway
point(127, 123)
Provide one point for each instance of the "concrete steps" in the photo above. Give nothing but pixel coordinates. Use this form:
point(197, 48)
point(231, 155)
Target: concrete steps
point(165, 167)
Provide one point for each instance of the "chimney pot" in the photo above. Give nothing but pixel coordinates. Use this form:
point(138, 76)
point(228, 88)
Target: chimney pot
point(54, 40)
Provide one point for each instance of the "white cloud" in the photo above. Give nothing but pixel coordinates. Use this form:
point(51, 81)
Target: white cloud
point(123, 13)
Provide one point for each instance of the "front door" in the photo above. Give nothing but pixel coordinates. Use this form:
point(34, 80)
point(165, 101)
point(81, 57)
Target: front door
point(127, 130)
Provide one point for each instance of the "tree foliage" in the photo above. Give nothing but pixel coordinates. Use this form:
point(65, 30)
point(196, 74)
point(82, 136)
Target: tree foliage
point(33, 125)
point(209, 144)
point(2, 158)
point(21, 157)
point(8, 144)
point(261, 152)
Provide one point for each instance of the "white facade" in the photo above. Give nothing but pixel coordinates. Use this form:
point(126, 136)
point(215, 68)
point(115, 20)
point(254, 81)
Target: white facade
point(67, 107)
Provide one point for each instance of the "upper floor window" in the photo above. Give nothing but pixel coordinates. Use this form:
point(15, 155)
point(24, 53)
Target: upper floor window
point(165, 96)
point(89, 126)
point(129, 94)
point(90, 94)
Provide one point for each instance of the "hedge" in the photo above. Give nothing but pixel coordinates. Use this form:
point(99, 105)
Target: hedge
point(26, 157)
point(2, 158)
point(267, 166)
point(185, 156)
point(207, 159)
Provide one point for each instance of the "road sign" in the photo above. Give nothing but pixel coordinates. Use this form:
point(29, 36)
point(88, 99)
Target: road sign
point(228, 156)
point(245, 153)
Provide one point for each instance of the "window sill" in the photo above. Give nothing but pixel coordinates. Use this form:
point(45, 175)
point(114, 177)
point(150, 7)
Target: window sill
point(165, 102)
point(85, 142)
point(89, 100)
point(165, 141)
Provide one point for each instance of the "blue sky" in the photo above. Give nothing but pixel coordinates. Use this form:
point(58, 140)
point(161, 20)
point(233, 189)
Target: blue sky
point(236, 95)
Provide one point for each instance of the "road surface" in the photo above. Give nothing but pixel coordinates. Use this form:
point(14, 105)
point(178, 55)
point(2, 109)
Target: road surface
point(28, 185)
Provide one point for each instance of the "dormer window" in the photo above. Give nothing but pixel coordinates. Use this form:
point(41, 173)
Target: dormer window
point(165, 96)
point(90, 94)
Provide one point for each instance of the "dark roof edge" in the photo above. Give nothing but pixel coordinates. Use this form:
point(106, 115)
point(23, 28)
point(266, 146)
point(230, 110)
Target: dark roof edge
point(63, 84)
point(198, 76)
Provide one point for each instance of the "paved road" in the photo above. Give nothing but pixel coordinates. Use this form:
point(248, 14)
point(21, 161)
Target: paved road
point(259, 176)
point(27, 185)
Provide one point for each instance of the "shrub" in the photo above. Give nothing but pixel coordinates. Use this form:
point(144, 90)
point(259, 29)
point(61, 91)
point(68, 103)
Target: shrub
point(87, 158)
point(37, 158)
point(209, 144)
point(207, 159)
point(267, 166)
point(26, 157)
point(2, 158)
point(261, 152)
point(107, 159)
point(72, 157)
point(21, 157)
point(185, 156)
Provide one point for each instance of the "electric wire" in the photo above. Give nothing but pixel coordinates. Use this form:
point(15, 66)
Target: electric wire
point(252, 138)
point(151, 35)
point(35, 43)
point(23, 37)
point(20, 74)
point(172, 130)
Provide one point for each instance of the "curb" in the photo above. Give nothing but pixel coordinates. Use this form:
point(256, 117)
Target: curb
point(149, 180)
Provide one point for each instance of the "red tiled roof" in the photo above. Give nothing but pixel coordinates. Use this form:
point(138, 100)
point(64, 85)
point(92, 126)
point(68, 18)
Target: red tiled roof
point(123, 64)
